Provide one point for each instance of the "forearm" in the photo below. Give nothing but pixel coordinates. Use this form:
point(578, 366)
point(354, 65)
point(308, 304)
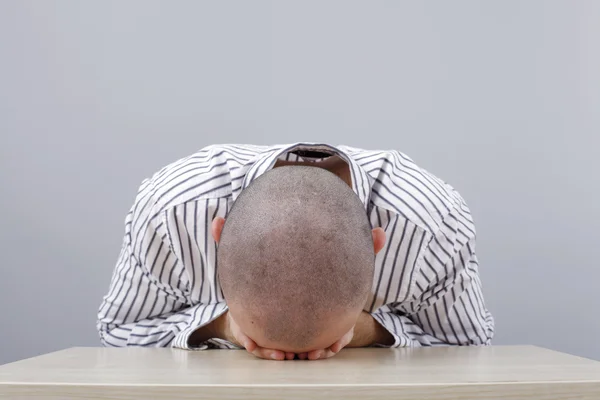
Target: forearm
point(404, 331)
point(157, 332)
point(369, 332)
point(215, 329)
point(173, 329)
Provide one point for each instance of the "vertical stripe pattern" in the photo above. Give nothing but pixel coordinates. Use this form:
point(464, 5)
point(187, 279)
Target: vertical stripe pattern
point(426, 286)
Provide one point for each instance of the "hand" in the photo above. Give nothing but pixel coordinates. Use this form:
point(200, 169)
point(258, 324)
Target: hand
point(331, 351)
point(230, 331)
point(368, 332)
point(365, 333)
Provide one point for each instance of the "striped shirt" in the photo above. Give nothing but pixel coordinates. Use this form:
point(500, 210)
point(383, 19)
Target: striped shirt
point(426, 289)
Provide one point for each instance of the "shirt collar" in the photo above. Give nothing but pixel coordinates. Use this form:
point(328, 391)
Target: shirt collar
point(265, 161)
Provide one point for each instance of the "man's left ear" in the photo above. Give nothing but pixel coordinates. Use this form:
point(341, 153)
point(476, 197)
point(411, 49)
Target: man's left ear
point(378, 239)
point(216, 228)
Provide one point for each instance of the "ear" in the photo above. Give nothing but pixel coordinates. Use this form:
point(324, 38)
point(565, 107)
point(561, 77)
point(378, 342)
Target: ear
point(216, 228)
point(378, 239)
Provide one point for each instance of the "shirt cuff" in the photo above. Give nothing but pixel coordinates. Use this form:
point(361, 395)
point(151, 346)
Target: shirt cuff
point(202, 315)
point(387, 321)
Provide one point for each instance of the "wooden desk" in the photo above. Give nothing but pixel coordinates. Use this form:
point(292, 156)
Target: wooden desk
point(521, 372)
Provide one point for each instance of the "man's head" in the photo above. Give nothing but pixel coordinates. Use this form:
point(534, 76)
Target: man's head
point(296, 259)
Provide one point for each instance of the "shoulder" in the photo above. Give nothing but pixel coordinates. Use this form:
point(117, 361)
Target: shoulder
point(205, 174)
point(401, 186)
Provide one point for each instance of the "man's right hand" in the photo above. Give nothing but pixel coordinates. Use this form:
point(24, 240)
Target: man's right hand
point(226, 328)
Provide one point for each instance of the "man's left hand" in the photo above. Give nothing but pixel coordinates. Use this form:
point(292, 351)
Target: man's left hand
point(331, 351)
point(365, 333)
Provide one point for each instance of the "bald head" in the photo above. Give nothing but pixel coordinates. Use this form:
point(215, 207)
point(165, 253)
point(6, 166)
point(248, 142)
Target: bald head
point(296, 258)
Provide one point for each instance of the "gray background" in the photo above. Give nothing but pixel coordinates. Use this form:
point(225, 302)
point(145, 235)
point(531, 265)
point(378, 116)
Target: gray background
point(499, 98)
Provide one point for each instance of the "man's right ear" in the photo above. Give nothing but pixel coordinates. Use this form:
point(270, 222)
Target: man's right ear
point(216, 228)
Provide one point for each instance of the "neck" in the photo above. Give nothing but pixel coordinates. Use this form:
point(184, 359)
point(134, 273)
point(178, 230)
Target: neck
point(333, 164)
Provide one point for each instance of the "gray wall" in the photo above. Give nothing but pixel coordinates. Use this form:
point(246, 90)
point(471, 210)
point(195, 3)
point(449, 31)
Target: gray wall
point(499, 98)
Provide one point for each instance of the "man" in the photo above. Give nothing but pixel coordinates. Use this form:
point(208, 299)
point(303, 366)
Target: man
point(318, 248)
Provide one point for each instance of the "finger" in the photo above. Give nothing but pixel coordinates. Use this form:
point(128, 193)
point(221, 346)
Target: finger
point(320, 354)
point(269, 354)
point(245, 341)
point(327, 354)
point(341, 343)
point(303, 356)
point(289, 356)
point(337, 346)
point(261, 353)
point(248, 343)
point(315, 354)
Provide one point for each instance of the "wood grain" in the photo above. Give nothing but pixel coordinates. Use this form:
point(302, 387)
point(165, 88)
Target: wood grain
point(520, 372)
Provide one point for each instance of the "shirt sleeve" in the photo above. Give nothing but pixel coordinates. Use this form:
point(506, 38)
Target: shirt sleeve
point(446, 306)
point(148, 302)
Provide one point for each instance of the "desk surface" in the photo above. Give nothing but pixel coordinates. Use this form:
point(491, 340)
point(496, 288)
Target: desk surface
point(519, 372)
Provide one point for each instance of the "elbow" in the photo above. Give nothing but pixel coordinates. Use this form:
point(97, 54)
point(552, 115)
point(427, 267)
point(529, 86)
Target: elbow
point(480, 336)
point(103, 341)
point(108, 338)
point(103, 334)
point(101, 328)
point(486, 333)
